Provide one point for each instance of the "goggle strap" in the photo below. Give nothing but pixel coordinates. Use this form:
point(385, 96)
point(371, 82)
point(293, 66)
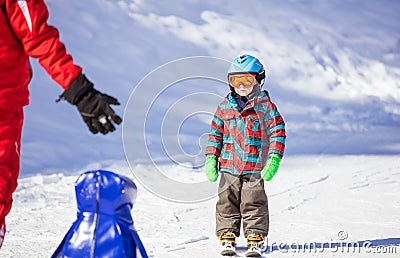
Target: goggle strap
point(260, 76)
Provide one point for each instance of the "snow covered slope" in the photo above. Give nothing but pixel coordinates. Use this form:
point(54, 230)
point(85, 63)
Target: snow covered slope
point(313, 200)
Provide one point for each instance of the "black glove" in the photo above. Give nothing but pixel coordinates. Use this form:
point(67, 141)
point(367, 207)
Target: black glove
point(93, 105)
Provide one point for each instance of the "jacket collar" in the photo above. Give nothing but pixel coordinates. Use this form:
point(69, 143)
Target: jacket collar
point(262, 96)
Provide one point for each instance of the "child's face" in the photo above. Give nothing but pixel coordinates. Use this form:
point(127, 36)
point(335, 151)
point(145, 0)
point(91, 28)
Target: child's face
point(243, 91)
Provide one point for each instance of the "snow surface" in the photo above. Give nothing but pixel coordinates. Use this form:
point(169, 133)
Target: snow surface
point(311, 200)
point(333, 71)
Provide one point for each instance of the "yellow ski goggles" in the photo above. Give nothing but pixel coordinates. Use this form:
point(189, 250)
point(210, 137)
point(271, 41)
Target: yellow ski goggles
point(247, 80)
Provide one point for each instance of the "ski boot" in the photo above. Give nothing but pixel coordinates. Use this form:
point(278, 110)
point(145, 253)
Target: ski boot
point(228, 244)
point(254, 244)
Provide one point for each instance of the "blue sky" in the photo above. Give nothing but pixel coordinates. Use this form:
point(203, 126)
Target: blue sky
point(333, 71)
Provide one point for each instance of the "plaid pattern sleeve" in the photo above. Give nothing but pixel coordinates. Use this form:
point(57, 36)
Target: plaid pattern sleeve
point(215, 136)
point(276, 131)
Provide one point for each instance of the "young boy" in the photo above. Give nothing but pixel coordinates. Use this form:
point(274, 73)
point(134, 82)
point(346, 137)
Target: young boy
point(245, 145)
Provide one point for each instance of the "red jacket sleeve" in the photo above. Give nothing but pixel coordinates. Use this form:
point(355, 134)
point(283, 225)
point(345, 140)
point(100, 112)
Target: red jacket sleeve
point(215, 137)
point(276, 131)
point(28, 19)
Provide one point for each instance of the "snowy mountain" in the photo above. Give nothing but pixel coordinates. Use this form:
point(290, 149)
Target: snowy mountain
point(333, 70)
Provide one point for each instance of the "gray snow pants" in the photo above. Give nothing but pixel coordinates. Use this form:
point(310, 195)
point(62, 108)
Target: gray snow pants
point(242, 198)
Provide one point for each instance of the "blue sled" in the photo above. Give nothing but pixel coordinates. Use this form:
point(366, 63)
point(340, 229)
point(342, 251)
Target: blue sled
point(104, 226)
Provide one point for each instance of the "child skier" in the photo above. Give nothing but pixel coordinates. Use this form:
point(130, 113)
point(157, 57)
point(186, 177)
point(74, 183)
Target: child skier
point(245, 145)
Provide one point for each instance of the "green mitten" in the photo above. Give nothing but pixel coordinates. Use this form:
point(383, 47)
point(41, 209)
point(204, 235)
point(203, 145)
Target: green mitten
point(211, 168)
point(271, 168)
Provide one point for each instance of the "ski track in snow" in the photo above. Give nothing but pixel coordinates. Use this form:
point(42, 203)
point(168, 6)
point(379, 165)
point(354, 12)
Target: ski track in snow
point(311, 202)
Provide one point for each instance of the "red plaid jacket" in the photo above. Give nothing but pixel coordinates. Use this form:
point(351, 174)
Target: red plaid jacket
point(244, 139)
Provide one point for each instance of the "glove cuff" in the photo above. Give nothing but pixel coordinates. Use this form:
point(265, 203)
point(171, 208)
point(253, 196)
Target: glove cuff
point(211, 157)
point(77, 90)
point(275, 158)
